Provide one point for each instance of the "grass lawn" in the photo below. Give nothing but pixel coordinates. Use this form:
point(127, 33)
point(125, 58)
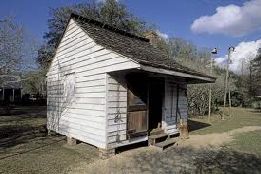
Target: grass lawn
point(240, 117)
point(248, 142)
point(25, 147)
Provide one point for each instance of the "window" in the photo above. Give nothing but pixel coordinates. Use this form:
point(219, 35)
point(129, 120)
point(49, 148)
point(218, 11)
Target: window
point(69, 87)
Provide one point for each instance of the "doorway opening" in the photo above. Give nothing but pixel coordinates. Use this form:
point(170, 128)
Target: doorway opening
point(156, 96)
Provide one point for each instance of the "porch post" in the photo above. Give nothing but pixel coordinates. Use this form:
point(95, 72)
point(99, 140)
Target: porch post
point(21, 94)
point(13, 95)
point(3, 94)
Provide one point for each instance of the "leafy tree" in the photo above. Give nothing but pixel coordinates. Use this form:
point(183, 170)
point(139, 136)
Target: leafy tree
point(248, 83)
point(189, 55)
point(110, 12)
point(255, 75)
point(181, 49)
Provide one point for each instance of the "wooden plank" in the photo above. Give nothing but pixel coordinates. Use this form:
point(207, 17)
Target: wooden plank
point(137, 121)
point(91, 89)
point(88, 78)
point(115, 111)
point(112, 139)
point(112, 122)
point(83, 136)
point(117, 104)
point(111, 116)
point(127, 142)
point(164, 144)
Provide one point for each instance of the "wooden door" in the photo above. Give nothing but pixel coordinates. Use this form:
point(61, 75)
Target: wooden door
point(137, 107)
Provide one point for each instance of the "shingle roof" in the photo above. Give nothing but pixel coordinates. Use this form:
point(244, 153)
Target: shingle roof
point(137, 48)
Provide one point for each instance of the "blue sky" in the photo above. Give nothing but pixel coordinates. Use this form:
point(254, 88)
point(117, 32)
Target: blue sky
point(173, 17)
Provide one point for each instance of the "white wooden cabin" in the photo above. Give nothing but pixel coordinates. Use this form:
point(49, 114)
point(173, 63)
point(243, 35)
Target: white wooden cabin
point(109, 88)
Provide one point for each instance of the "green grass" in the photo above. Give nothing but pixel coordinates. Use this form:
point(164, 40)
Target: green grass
point(247, 142)
point(240, 117)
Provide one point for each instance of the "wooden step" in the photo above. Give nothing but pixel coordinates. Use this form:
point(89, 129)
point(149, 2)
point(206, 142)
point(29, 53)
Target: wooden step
point(174, 126)
point(156, 131)
point(157, 138)
point(172, 131)
point(167, 143)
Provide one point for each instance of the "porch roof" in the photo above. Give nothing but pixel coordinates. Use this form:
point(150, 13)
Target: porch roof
point(190, 78)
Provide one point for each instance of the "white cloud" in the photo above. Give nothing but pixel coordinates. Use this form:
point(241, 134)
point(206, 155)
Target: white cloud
point(231, 20)
point(162, 35)
point(244, 52)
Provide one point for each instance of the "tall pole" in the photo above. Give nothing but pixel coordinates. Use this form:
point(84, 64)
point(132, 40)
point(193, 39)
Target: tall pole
point(229, 99)
point(250, 76)
point(214, 51)
point(242, 80)
point(226, 80)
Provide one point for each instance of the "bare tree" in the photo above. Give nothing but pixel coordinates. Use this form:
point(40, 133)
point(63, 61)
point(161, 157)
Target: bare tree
point(11, 41)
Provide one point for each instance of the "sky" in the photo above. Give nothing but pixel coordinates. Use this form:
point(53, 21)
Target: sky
point(207, 23)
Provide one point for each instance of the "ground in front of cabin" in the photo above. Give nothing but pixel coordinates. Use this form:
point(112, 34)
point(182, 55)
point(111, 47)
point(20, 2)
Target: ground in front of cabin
point(226, 146)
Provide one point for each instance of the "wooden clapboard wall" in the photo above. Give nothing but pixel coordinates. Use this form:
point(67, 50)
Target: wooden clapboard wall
point(117, 92)
point(83, 116)
point(175, 104)
point(116, 110)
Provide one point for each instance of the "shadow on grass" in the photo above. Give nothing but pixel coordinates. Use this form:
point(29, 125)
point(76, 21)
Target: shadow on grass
point(187, 160)
point(22, 113)
point(228, 161)
point(39, 111)
point(196, 125)
point(131, 146)
point(21, 126)
point(12, 135)
point(13, 113)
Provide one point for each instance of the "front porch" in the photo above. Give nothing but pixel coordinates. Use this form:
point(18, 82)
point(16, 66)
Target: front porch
point(154, 104)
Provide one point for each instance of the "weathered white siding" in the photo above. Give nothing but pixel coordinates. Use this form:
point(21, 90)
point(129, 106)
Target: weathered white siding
point(117, 112)
point(175, 105)
point(116, 109)
point(83, 114)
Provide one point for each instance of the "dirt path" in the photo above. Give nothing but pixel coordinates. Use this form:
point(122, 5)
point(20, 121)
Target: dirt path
point(216, 139)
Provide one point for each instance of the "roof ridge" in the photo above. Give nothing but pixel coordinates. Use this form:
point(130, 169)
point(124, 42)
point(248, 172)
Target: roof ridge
point(108, 27)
